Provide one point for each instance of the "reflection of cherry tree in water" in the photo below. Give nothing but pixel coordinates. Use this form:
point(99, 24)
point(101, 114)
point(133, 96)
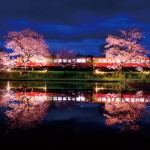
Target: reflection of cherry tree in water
point(127, 114)
point(24, 113)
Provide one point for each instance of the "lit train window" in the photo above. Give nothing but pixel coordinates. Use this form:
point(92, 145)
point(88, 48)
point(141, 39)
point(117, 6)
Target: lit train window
point(64, 60)
point(50, 98)
point(104, 60)
point(64, 98)
point(127, 99)
point(78, 60)
point(133, 61)
point(142, 61)
point(118, 61)
point(137, 99)
point(99, 60)
point(54, 98)
point(132, 99)
point(55, 60)
point(60, 60)
point(108, 99)
point(103, 99)
point(147, 61)
point(50, 60)
point(83, 60)
point(73, 60)
point(69, 60)
point(59, 98)
point(142, 100)
point(117, 99)
point(73, 99)
point(99, 99)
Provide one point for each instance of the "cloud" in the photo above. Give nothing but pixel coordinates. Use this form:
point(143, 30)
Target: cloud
point(65, 11)
point(85, 47)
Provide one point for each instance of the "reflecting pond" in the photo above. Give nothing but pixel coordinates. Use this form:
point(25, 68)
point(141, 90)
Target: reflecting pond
point(44, 114)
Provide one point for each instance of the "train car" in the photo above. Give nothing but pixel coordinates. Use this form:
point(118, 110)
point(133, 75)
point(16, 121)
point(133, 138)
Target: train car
point(58, 62)
point(42, 96)
point(102, 98)
point(109, 62)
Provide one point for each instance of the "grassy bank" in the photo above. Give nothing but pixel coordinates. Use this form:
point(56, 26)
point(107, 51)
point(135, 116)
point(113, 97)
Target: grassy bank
point(75, 76)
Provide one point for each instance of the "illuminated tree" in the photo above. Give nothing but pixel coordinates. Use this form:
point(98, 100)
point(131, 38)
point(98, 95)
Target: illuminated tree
point(125, 48)
point(26, 44)
point(6, 62)
point(127, 114)
point(25, 112)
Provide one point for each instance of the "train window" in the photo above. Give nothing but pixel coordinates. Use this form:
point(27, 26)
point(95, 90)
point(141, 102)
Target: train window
point(50, 98)
point(50, 60)
point(73, 60)
point(69, 60)
point(99, 99)
point(64, 60)
point(132, 99)
point(104, 60)
point(137, 61)
point(147, 61)
point(133, 61)
point(142, 100)
point(54, 98)
point(60, 60)
point(118, 60)
point(64, 98)
point(83, 60)
point(127, 99)
point(78, 60)
point(55, 60)
point(59, 98)
point(103, 98)
point(142, 61)
point(73, 99)
point(99, 60)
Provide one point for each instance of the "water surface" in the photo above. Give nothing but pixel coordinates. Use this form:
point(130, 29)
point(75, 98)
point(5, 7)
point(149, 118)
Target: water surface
point(43, 115)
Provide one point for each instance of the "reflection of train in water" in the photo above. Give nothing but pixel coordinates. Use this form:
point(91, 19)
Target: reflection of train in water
point(84, 97)
point(86, 62)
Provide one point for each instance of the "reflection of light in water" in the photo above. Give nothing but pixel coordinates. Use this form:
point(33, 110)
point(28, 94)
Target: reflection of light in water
point(98, 88)
point(45, 87)
point(8, 86)
point(80, 98)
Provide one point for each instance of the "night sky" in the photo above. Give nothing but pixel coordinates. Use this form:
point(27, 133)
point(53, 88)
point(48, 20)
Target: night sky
point(79, 25)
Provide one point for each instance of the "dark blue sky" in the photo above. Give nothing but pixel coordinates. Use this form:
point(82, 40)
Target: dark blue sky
point(80, 25)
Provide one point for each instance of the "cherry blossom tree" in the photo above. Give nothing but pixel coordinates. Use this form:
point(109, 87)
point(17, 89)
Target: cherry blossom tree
point(6, 61)
point(26, 44)
point(125, 48)
point(25, 112)
point(127, 114)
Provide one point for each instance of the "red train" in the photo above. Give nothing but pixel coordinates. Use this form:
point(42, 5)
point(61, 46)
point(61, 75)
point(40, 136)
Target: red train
point(86, 97)
point(85, 62)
